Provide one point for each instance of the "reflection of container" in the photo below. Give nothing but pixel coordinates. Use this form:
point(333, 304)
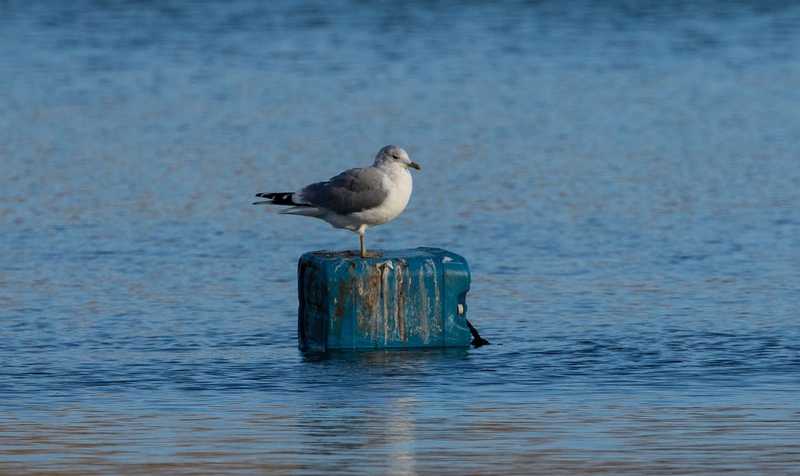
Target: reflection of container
point(398, 299)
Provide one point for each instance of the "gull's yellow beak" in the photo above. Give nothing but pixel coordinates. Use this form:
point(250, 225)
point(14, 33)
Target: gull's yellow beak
point(414, 165)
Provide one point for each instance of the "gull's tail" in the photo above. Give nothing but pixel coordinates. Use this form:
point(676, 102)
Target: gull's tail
point(278, 198)
point(288, 199)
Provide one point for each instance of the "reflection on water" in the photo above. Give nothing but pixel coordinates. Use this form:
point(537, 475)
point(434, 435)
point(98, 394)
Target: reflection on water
point(623, 179)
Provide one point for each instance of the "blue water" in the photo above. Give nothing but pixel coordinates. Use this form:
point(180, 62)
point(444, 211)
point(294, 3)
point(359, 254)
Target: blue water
point(623, 178)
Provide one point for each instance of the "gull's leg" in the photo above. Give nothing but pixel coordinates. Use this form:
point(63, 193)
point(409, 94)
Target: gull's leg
point(361, 230)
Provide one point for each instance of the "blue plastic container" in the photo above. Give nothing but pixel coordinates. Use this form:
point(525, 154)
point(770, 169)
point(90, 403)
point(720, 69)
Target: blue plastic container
point(400, 299)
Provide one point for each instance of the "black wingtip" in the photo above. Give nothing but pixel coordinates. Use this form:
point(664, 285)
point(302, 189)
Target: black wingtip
point(279, 198)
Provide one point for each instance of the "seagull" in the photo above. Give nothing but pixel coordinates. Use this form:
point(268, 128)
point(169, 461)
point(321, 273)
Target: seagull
point(356, 198)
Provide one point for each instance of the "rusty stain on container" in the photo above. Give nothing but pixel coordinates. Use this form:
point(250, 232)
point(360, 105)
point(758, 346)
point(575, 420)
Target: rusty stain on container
point(400, 302)
point(424, 328)
point(384, 300)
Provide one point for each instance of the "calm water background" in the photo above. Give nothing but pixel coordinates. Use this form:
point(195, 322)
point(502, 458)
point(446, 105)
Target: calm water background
point(624, 178)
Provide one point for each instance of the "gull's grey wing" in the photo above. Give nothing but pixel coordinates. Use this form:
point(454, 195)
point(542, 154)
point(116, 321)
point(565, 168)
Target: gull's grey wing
point(351, 191)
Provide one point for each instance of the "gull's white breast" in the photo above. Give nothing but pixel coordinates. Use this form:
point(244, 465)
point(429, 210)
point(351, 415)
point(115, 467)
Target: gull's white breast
point(398, 182)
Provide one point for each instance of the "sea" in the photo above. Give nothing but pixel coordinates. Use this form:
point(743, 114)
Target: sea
point(623, 178)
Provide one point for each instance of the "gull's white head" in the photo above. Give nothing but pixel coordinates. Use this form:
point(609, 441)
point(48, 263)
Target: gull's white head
point(393, 155)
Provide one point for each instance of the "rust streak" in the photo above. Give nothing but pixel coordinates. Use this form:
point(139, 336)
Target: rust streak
point(425, 332)
point(400, 301)
point(341, 296)
point(385, 301)
point(368, 292)
point(436, 312)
